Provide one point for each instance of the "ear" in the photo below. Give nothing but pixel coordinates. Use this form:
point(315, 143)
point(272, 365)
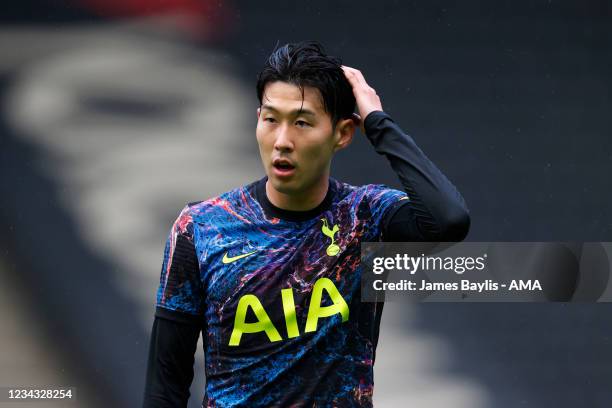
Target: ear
point(345, 129)
point(258, 112)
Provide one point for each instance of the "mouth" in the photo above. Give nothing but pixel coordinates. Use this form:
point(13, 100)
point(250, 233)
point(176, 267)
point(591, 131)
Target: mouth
point(283, 167)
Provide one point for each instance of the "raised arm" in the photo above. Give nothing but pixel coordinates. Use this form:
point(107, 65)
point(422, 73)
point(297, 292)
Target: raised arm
point(434, 211)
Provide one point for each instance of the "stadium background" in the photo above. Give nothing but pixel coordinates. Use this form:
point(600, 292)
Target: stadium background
point(116, 113)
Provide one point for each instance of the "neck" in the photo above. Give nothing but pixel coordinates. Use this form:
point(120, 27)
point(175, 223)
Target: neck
point(304, 201)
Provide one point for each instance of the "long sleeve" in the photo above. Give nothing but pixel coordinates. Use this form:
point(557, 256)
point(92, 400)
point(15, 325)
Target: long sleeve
point(170, 363)
point(178, 320)
point(435, 210)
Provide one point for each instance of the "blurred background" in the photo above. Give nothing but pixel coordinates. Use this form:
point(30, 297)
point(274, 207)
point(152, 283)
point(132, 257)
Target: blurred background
point(115, 113)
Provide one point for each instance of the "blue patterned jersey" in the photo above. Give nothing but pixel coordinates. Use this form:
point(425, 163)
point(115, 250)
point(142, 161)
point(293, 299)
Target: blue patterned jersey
point(278, 295)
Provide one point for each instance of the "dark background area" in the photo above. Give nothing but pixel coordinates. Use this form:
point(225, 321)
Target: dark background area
point(510, 99)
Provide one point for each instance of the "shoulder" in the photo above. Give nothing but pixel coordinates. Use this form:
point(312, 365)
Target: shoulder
point(228, 202)
point(384, 192)
point(373, 202)
point(369, 192)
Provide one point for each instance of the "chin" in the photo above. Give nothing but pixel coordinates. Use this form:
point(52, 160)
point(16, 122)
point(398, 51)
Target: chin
point(285, 187)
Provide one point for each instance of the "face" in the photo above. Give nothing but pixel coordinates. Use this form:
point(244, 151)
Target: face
point(296, 138)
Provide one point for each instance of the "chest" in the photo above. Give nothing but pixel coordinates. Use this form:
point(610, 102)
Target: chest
point(262, 258)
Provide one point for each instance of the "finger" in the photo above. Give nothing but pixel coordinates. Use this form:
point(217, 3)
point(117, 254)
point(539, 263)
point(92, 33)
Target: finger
point(358, 122)
point(359, 76)
point(355, 76)
point(350, 76)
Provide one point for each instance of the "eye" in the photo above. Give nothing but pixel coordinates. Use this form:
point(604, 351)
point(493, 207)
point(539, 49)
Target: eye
point(302, 123)
point(269, 120)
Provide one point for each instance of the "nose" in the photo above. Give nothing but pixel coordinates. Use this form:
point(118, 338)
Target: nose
point(283, 142)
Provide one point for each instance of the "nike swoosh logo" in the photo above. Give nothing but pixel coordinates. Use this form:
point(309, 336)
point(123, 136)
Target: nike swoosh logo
point(229, 259)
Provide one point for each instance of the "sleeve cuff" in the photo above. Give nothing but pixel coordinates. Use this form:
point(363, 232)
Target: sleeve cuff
point(371, 121)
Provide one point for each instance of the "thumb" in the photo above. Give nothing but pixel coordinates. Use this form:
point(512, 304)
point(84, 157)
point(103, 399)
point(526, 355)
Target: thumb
point(358, 122)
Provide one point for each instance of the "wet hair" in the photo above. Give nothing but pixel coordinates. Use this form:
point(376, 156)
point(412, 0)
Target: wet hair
point(306, 64)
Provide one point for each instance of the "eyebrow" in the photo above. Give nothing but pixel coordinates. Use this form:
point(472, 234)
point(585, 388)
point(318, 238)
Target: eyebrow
point(293, 112)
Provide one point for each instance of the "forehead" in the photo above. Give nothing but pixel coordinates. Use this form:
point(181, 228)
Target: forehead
point(285, 97)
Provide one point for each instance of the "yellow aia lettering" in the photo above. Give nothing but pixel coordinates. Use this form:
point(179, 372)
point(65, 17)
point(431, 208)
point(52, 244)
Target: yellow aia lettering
point(315, 311)
point(263, 321)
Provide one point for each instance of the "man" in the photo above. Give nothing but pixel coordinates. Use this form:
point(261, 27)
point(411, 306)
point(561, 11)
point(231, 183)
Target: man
point(270, 272)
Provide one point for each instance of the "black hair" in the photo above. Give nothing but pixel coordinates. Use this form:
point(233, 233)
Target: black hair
point(306, 64)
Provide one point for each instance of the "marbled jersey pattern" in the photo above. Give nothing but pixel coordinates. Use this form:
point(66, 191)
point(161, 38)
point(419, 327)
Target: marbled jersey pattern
point(242, 252)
